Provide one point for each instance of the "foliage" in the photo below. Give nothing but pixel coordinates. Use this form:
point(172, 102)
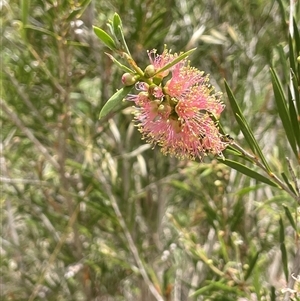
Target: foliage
point(92, 213)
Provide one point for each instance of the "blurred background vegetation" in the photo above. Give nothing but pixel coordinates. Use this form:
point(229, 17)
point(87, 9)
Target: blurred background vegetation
point(202, 231)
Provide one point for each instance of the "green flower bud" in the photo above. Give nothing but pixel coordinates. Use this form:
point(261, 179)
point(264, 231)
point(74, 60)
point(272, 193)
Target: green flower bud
point(129, 79)
point(149, 71)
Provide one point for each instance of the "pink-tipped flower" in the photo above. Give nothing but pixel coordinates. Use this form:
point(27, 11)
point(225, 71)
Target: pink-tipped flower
point(177, 114)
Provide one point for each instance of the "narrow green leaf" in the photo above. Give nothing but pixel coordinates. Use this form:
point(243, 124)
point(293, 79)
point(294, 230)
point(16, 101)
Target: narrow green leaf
point(117, 23)
point(292, 57)
point(110, 26)
point(284, 63)
point(123, 67)
point(252, 265)
point(239, 116)
point(232, 151)
point(247, 132)
point(287, 182)
point(283, 111)
point(105, 38)
point(283, 16)
point(294, 118)
point(283, 249)
point(114, 100)
point(290, 217)
point(201, 291)
point(212, 216)
point(223, 247)
point(245, 190)
point(296, 37)
point(214, 286)
point(42, 30)
point(177, 60)
point(248, 172)
point(238, 215)
point(117, 29)
point(296, 89)
point(278, 199)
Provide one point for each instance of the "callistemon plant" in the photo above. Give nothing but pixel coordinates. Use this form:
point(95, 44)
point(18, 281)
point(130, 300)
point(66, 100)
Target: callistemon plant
point(176, 107)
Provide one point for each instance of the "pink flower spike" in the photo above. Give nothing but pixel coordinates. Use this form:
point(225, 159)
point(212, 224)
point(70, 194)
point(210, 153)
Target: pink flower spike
point(178, 115)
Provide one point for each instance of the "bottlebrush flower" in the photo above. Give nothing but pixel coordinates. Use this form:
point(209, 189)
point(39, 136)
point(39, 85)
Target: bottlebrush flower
point(177, 113)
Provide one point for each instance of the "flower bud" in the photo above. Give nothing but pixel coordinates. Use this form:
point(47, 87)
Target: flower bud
point(149, 71)
point(129, 79)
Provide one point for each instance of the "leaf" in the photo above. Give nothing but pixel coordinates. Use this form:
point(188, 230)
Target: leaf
point(292, 55)
point(252, 265)
point(289, 216)
point(247, 132)
point(117, 24)
point(284, 63)
point(296, 36)
point(42, 30)
point(278, 199)
point(245, 190)
point(282, 12)
point(214, 286)
point(283, 249)
point(237, 215)
point(297, 50)
point(297, 95)
point(177, 60)
point(114, 100)
point(287, 182)
point(294, 118)
point(105, 38)
point(283, 111)
point(123, 67)
point(117, 29)
point(248, 172)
